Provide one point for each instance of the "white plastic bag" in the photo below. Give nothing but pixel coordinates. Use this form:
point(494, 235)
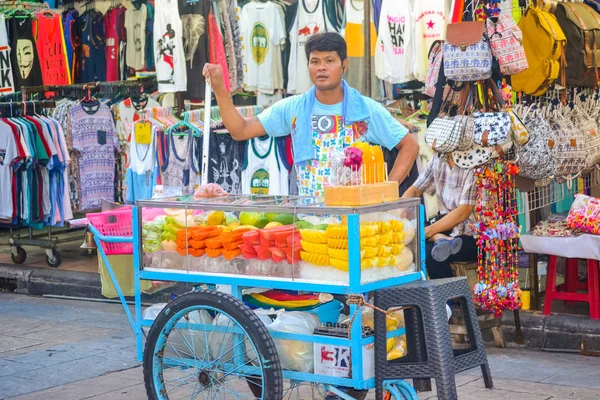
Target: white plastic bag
point(295, 355)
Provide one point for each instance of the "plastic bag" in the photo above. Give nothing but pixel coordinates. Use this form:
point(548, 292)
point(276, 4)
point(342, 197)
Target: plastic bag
point(295, 355)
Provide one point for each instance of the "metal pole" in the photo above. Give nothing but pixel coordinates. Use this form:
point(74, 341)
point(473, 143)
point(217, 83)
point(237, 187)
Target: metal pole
point(367, 44)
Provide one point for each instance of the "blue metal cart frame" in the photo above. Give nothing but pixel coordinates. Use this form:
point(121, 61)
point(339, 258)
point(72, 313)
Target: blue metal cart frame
point(354, 286)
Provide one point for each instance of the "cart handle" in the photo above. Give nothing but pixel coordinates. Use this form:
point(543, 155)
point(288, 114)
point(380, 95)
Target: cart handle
point(110, 239)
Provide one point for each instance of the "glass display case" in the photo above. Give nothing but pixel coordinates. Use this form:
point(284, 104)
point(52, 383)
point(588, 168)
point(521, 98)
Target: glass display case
point(281, 242)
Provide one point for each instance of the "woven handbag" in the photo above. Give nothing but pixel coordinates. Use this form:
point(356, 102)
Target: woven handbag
point(535, 158)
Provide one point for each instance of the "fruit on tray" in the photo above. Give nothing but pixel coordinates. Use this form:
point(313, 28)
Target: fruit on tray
point(314, 247)
point(313, 236)
point(384, 251)
point(397, 226)
point(344, 265)
point(231, 254)
point(397, 249)
point(385, 238)
point(214, 253)
point(261, 223)
point(341, 244)
point(284, 219)
point(249, 218)
point(342, 254)
point(216, 218)
point(304, 225)
point(263, 253)
point(337, 232)
point(316, 259)
point(214, 243)
point(292, 240)
point(268, 234)
point(273, 225)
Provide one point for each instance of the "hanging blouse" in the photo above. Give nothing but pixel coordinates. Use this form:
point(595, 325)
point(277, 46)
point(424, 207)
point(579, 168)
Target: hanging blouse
point(217, 49)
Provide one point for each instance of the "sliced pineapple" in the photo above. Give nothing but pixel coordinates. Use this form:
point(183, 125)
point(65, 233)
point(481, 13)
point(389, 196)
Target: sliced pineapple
point(384, 251)
point(397, 226)
point(313, 236)
point(385, 238)
point(316, 259)
point(314, 248)
point(340, 244)
point(398, 237)
point(397, 249)
point(337, 232)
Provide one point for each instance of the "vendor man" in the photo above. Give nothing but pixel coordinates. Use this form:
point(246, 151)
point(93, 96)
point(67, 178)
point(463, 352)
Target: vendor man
point(323, 121)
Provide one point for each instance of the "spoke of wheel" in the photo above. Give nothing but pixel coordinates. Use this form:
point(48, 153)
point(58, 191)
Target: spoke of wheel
point(184, 382)
point(228, 351)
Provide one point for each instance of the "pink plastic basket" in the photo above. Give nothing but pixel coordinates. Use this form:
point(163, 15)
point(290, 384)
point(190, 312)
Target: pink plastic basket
point(114, 223)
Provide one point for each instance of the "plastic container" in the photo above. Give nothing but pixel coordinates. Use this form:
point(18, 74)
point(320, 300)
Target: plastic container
point(114, 223)
point(328, 312)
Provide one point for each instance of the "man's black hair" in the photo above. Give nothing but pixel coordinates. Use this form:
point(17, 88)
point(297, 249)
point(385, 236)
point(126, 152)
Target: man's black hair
point(328, 41)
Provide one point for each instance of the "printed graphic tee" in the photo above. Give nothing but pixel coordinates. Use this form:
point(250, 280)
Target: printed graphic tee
point(49, 39)
point(8, 154)
point(194, 17)
point(264, 173)
point(135, 24)
point(24, 55)
point(394, 53)
point(7, 83)
point(430, 25)
point(263, 36)
point(168, 47)
point(226, 161)
point(310, 19)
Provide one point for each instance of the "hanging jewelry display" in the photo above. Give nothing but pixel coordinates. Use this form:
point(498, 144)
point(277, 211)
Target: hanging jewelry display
point(497, 237)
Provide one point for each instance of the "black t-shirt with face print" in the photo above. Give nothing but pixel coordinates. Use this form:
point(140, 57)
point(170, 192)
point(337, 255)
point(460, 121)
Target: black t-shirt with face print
point(23, 55)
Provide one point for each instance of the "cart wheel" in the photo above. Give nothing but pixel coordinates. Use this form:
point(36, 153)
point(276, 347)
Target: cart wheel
point(55, 260)
point(20, 257)
point(206, 344)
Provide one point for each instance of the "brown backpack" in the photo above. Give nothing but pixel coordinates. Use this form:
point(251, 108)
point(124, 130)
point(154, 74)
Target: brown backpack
point(581, 25)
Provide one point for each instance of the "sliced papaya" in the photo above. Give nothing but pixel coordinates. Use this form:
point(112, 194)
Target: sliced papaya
point(214, 243)
point(182, 251)
point(206, 232)
point(232, 245)
point(234, 236)
point(213, 253)
point(231, 254)
point(197, 244)
point(187, 233)
point(197, 252)
point(181, 243)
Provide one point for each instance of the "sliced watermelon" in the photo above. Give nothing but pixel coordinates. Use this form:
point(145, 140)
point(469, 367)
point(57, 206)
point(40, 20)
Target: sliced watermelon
point(292, 252)
point(263, 253)
point(248, 248)
point(264, 242)
point(251, 237)
point(268, 233)
point(278, 258)
point(249, 255)
point(294, 239)
point(276, 251)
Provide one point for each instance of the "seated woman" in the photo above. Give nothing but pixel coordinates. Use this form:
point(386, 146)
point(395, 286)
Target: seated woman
point(450, 236)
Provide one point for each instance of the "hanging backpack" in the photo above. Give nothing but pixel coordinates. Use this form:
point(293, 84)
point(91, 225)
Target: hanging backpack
point(467, 53)
point(543, 41)
point(534, 158)
point(436, 55)
point(568, 144)
point(581, 25)
point(506, 42)
point(588, 125)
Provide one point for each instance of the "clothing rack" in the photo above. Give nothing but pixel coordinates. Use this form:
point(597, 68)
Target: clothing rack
point(104, 89)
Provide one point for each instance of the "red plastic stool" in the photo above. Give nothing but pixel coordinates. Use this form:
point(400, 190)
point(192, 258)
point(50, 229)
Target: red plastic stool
point(572, 284)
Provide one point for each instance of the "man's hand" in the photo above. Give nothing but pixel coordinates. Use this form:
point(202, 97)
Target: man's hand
point(208, 191)
point(214, 75)
point(429, 232)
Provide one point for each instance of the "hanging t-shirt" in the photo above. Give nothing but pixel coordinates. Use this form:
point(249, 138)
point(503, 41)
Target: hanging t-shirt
point(69, 18)
point(357, 71)
point(225, 162)
point(394, 53)
point(168, 47)
point(111, 31)
point(149, 52)
point(141, 176)
point(49, 39)
point(8, 154)
point(129, 113)
point(7, 83)
point(430, 25)
point(94, 137)
point(263, 37)
point(120, 11)
point(194, 17)
point(310, 19)
point(263, 172)
point(93, 56)
point(135, 24)
point(180, 165)
point(23, 55)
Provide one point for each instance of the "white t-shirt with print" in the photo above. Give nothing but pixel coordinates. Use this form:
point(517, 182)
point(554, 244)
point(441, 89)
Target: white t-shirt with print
point(394, 53)
point(135, 23)
point(431, 18)
point(168, 47)
point(7, 83)
point(263, 36)
point(310, 19)
point(8, 153)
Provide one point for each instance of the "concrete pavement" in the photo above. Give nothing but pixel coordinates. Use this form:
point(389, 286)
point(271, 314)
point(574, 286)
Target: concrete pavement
point(72, 350)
